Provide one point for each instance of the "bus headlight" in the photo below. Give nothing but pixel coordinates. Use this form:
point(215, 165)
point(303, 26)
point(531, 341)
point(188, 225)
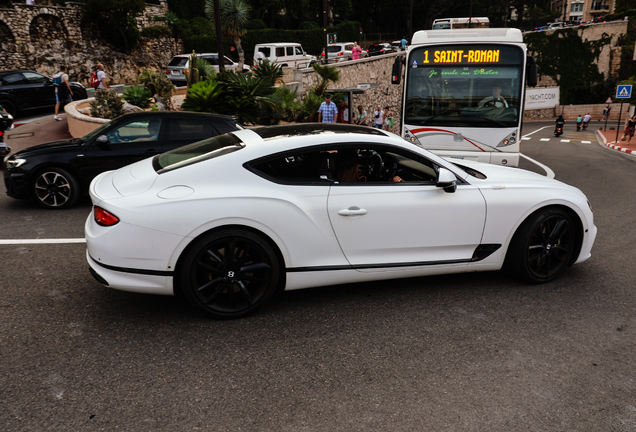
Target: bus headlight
point(412, 138)
point(509, 140)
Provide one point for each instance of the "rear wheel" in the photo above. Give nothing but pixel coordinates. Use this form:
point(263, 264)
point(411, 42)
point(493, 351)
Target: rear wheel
point(55, 188)
point(543, 246)
point(230, 273)
point(9, 107)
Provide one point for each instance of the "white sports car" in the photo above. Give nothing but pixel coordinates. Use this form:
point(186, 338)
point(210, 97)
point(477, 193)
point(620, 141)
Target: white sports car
point(231, 219)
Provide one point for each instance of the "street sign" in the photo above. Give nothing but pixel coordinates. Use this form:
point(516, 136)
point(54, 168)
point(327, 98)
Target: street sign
point(609, 100)
point(623, 91)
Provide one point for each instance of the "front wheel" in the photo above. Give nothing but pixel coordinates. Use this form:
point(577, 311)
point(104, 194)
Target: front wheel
point(543, 246)
point(55, 188)
point(230, 273)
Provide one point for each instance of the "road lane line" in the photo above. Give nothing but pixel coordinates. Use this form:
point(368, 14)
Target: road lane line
point(42, 241)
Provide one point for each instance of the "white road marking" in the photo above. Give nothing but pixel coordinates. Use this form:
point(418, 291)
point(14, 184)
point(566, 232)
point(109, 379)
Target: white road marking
point(544, 139)
point(42, 241)
point(565, 140)
point(586, 142)
point(525, 138)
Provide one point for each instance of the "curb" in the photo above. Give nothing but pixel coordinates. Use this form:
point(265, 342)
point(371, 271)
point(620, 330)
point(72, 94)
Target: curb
point(602, 138)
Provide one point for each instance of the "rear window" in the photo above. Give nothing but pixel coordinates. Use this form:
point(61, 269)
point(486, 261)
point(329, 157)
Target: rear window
point(178, 61)
point(265, 50)
point(336, 48)
point(196, 152)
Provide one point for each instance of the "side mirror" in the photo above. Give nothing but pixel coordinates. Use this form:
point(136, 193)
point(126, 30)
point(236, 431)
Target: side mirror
point(532, 72)
point(396, 74)
point(446, 180)
point(102, 142)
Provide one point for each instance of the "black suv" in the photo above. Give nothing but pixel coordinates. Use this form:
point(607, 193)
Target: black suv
point(379, 49)
point(27, 90)
point(57, 173)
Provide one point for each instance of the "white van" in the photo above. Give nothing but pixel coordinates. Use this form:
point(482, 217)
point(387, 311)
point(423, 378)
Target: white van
point(286, 54)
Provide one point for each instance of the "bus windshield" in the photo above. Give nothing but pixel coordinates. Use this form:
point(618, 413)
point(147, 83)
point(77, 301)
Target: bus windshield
point(456, 85)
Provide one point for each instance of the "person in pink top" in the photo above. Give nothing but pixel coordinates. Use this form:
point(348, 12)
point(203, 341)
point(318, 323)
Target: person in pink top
point(356, 51)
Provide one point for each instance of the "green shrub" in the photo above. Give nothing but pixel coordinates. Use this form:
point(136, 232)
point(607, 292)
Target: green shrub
point(138, 96)
point(204, 96)
point(156, 32)
point(256, 24)
point(107, 104)
point(310, 106)
point(158, 84)
point(268, 71)
point(289, 107)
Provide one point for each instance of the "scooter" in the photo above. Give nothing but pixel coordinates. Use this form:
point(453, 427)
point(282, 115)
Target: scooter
point(558, 130)
point(6, 120)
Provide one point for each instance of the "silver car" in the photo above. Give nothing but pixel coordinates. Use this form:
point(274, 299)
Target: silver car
point(343, 51)
point(179, 64)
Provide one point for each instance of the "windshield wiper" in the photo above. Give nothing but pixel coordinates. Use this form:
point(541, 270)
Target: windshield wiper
point(498, 123)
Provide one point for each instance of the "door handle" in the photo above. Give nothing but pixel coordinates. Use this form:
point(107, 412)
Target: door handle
point(352, 211)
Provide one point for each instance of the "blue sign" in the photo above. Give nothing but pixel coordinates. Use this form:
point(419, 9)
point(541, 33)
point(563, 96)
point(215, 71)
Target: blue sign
point(624, 91)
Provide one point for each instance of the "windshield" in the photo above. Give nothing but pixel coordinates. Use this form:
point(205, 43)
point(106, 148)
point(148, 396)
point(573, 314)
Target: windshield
point(466, 86)
point(196, 152)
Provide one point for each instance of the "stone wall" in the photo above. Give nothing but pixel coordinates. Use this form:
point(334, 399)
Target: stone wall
point(42, 38)
point(372, 70)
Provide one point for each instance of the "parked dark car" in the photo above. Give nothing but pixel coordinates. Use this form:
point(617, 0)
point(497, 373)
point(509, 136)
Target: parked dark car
point(379, 49)
point(55, 174)
point(27, 90)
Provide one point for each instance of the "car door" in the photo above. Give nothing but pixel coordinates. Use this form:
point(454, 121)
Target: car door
point(380, 223)
point(129, 141)
point(41, 91)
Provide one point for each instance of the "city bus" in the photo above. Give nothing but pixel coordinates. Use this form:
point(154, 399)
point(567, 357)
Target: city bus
point(457, 23)
point(464, 91)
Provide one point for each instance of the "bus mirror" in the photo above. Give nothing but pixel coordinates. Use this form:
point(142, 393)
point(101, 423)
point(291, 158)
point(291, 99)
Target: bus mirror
point(532, 72)
point(396, 74)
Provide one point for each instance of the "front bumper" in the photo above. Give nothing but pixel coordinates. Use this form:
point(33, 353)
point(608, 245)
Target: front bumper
point(17, 184)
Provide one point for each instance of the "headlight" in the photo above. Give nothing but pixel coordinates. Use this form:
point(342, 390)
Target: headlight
point(13, 163)
point(510, 139)
point(412, 138)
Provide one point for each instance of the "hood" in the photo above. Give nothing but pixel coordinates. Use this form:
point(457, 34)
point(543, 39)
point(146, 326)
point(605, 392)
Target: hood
point(48, 147)
point(497, 175)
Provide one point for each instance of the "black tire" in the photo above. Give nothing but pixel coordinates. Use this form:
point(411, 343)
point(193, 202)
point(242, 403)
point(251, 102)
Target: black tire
point(9, 107)
point(542, 246)
point(55, 188)
point(230, 273)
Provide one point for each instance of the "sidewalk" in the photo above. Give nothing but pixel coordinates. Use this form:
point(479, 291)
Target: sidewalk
point(36, 132)
point(609, 139)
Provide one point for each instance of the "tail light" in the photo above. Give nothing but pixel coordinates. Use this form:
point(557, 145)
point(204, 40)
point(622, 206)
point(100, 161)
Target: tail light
point(104, 218)
point(340, 53)
point(167, 72)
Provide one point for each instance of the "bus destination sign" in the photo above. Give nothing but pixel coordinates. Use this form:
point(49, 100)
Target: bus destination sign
point(461, 56)
point(467, 55)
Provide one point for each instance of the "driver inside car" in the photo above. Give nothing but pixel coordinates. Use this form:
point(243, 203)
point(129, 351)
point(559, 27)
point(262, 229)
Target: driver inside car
point(494, 101)
point(348, 169)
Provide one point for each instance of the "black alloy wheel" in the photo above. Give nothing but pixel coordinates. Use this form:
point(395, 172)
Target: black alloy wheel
point(543, 246)
point(55, 188)
point(230, 274)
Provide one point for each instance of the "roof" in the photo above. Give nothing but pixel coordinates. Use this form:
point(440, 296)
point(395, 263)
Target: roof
point(277, 44)
point(483, 35)
point(304, 129)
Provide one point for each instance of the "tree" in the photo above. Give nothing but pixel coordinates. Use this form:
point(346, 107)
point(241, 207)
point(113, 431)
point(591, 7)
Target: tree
point(235, 14)
point(116, 20)
point(327, 74)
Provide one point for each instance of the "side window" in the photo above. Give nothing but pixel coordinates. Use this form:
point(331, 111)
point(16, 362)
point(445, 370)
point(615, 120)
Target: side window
point(35, 78)
point(228, 62)
point(299, 51)
point(213, 60)
point(136, 130)
point(189, 129)
point(348, 47)
point(351, 165)
point(290, 51)
point(13, 79)
point(280, 52)
point(265, 50)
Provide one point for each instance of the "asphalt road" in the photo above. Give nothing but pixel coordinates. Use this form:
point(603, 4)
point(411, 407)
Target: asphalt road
point(472, 352)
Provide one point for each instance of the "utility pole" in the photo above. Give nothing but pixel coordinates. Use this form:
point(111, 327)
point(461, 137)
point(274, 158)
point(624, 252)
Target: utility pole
point(325, 5)
point(219, 34)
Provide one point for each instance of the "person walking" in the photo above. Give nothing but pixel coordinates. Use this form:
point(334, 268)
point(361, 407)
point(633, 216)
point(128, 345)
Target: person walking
point(356, 51)
point(388, 119)
point(586, 120)
point(63, 93)
point(361, 117)
point(328, 111)
point(101, 76)
point(604, 113)
point(579, 120)
point(629, 129)
point(378, 117)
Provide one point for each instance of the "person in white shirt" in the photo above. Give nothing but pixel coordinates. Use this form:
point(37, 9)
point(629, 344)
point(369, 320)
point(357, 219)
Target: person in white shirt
point(101, 76)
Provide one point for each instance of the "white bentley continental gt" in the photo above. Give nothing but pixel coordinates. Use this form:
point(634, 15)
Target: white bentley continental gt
point(229, 220)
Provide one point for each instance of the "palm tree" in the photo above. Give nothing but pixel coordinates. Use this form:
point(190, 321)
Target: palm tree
point(234, 16)
point(327, 73)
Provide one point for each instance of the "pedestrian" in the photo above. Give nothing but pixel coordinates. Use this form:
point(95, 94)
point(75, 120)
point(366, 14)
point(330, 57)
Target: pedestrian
point(604, 113)
point(586, 120)
point(356, 51)
point(63, 93)
point(579, 120)
point(30, 2)
point(328, 111)
point(388, 119)
point(343, 112)
point(101, 76)
point(361, 117)
point(629, 129)
point(403, 43)
point(378, 117)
